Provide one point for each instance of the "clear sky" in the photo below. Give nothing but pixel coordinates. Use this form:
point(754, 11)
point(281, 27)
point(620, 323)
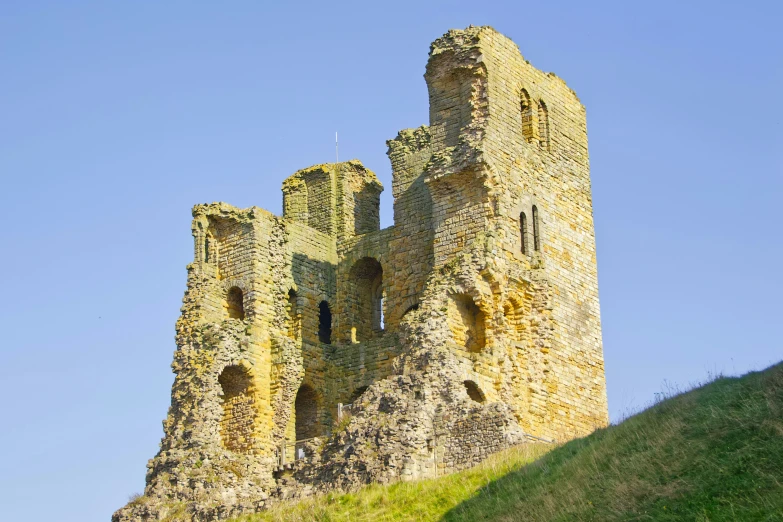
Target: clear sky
point(117, 117)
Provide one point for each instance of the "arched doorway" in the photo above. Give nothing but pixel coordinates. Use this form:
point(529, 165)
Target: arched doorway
point(306, 413)
point(239, 414)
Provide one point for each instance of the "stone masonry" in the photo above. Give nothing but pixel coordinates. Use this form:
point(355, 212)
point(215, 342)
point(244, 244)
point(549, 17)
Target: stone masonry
point(316, 351)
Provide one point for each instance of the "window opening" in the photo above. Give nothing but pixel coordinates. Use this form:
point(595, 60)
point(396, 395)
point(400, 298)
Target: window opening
point(474, 392)
point(235, 303)
point(536, 230)
point(523, 231)
point(324, 323)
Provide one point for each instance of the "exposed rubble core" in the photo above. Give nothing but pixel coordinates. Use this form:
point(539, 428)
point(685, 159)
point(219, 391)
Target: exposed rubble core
point(316, 351)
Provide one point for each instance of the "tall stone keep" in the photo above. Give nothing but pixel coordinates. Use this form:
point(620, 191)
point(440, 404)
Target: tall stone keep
point(316, 351)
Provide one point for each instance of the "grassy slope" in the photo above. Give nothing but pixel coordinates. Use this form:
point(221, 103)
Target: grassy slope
point(714, 453)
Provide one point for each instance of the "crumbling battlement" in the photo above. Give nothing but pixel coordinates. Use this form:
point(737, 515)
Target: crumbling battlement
point(316, 351)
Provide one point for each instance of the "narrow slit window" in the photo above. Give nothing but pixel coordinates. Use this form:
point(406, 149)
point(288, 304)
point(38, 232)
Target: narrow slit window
point(523, 231)
point(543, 125)
point(536, 230)
point(324, 323)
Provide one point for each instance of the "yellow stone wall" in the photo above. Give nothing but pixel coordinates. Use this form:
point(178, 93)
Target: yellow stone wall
point(513, 305)
point(553, 175)
point(504, 139)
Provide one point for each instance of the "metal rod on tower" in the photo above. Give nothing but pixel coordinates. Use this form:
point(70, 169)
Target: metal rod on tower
point(336, 148)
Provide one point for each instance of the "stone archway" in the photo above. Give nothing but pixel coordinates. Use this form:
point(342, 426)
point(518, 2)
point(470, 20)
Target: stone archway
point(306, 413)
point(239, 414)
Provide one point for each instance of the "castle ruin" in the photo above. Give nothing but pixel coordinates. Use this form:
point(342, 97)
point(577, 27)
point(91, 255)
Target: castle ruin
point(316, 351)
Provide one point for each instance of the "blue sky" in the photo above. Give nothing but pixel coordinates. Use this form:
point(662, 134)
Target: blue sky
point(117, 117)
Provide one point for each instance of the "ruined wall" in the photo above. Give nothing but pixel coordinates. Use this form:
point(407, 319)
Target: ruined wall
point(410, 247)
point(309, 198)
point(322, 276)
point(470, 325)
point(456, 176)
point(312, 281)
point(358, 200)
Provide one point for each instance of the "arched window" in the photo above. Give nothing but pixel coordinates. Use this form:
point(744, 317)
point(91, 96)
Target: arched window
point(474, 392)
point(237, 423)
point(543, 125)
point(324, 323)
point(523, 231)
point(526, 108)
point(235, 303)
point(516, 312)
point(367, 305)
point(207, 246)
point(306, 413)
point(467, 323)
point(536, 230)
point(293, 315)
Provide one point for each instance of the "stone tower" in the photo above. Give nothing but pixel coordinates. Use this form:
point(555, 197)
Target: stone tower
point(317, 351)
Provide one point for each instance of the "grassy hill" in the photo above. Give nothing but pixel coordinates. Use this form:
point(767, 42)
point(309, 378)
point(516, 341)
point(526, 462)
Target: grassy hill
point(714, 453)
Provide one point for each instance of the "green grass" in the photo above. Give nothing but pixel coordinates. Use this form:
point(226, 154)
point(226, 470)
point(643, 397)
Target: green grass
point(714, 453)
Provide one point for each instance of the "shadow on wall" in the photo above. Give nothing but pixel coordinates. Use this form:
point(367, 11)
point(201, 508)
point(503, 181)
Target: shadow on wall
point(366, 210)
